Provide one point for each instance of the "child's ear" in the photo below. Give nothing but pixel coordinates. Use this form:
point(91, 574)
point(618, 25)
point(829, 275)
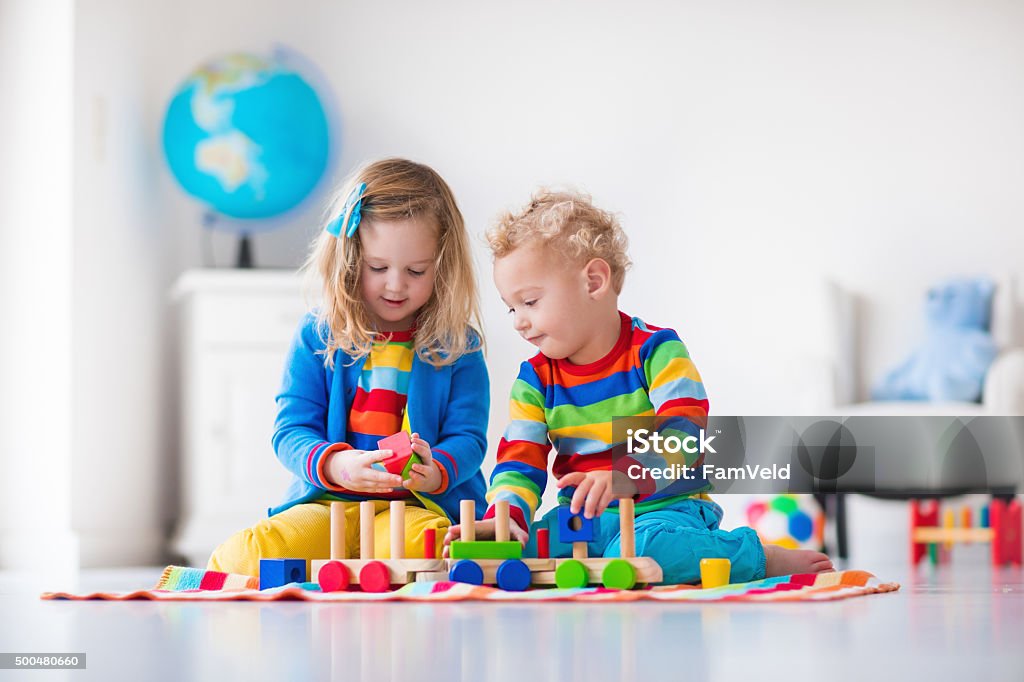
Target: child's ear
point(599, 277)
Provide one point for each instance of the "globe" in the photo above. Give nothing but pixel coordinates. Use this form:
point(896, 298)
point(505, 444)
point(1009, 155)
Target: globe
point(247, 136)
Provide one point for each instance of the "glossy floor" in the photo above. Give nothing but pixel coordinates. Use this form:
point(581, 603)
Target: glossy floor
point(964, 621)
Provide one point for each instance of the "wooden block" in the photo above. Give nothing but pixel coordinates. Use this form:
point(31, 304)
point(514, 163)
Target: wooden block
point(400, 444)
point(367, 510)
point(627, 527)
point(501, 518)
point(480, 549)
point(543, 543)
point(401, 571)
point(429, 543)
point(278, 572)
point(432, 576)
point(339, 548)
point(467, 520)
point(574, 527)
point(579, 550)
point(397, 529)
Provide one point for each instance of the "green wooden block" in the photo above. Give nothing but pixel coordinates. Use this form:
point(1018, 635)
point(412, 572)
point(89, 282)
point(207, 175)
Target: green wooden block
point(482, 549)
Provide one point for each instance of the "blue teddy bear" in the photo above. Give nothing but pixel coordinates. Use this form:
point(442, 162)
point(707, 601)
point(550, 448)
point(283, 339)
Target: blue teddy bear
point(952, 363)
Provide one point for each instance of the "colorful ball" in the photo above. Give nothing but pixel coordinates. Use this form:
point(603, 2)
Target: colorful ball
point(791, 521)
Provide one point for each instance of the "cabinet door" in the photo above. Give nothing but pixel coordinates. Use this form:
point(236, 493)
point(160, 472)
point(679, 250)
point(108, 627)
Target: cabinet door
point(236, 420)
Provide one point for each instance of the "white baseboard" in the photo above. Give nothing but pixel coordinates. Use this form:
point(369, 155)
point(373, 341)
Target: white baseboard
point(37, 548)
point(73, 550)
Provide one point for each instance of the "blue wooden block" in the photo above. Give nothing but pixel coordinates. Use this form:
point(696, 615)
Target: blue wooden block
point(566, 534)
point(278, 572)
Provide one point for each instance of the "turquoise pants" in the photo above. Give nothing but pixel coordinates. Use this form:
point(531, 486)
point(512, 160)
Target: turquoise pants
point(677, 537)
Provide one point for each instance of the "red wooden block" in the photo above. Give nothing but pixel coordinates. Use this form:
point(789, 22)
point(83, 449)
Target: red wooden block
point(1006, 528)
point(333, 577)
point(996, 510)
point(1012, 536)
point(374, 577)
point(429, 544)
point(921, 514)
point(401, 450)
point(543, 543)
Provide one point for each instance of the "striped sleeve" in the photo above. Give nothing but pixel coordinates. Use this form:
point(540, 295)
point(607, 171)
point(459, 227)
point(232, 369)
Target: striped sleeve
point(679, 400)
point(520, 474)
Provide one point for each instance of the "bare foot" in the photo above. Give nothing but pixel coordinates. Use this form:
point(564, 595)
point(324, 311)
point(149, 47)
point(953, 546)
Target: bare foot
point(782, 561)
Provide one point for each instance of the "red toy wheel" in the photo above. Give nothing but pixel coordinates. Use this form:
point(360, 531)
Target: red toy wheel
point(374, 577)
point(333, 577)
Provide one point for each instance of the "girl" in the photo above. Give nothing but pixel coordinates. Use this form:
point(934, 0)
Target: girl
point(395, 346)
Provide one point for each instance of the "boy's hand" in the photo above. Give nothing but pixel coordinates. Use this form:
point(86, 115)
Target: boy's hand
point(593, 491)
point(352, 470)
point(425, 476)
point(484, 530)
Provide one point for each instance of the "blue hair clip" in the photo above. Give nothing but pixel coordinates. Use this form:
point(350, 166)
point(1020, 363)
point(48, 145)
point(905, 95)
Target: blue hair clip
point(353, 209)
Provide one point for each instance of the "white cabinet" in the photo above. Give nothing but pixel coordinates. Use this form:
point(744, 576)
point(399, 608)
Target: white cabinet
point(236, 327)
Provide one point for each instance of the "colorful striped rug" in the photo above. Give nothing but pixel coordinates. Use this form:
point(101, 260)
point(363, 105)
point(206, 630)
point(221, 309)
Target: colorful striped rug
point(193, 584)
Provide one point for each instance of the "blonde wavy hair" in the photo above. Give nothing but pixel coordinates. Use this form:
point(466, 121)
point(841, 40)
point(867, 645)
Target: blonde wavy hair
point(448, 326)
point(569, 223)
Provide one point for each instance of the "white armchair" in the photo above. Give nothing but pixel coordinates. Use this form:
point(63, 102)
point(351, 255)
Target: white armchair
point(835, 381)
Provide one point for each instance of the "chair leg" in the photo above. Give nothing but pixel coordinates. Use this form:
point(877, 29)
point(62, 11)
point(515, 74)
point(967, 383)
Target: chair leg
point(842, 539)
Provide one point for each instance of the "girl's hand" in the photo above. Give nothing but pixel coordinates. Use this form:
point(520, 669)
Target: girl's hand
point(352, 470)
point(425, 476)
point(484, 530)
point(593, 491)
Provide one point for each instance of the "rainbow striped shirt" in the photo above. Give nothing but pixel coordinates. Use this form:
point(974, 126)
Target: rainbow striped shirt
point(555, 403)
point(378, 407)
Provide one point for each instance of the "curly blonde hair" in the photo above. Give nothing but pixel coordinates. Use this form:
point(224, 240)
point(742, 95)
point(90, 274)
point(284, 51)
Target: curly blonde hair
point(569, 223)
point(448, 326)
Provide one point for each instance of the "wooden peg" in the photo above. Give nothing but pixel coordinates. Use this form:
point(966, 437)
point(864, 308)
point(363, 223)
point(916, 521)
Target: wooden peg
point(543, 543)
point(367, 510)
point(339, 548)
point(627, 536)
point(429, 543)
point(579, 550)
point(467, 519)
point(397, 529)
point(501, 516)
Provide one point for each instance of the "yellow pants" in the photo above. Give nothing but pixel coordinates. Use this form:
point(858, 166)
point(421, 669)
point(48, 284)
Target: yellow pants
point(304, 532)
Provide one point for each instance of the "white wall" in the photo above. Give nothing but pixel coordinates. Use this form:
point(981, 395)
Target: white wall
point(36, 285)
point(748, 147)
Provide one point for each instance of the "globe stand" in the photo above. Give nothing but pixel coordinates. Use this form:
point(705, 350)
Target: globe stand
point(245, 259)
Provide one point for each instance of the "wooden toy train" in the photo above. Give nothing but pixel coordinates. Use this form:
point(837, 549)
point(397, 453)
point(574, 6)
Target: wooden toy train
point(497, 562)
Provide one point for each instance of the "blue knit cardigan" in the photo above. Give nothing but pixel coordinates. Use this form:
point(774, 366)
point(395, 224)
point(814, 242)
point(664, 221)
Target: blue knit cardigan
point(448, 406)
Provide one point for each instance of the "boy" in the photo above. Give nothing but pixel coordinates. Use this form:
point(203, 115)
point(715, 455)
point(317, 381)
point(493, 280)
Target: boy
point(559, 266)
